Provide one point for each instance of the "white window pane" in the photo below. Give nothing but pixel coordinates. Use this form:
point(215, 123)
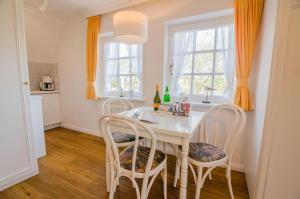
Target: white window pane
point(121, 62)
point(222, 41)
point(183, 42)
point(134, 65)
point(184, 84)
point(124, 66)
point(200, 81)
point(219, 62)
point(134, 50)
point(111, 52)
point(203, 63)
point(112, 84)
point(136, 84)
point(205, 39)
point(125, 83)
point(219, 84)
point(123, 50)
point(188, 64)
point(112, 67)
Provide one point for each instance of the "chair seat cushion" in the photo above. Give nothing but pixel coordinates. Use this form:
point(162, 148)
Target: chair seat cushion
point(143, 153)
point(122, 137)
point(204, 152)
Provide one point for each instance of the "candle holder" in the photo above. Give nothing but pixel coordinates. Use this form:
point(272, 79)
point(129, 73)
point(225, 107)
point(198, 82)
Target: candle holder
point(121, 93)
point(208, 89)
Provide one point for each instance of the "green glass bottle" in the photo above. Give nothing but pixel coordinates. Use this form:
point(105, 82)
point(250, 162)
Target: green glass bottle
point(166, 98)
point(156, 100)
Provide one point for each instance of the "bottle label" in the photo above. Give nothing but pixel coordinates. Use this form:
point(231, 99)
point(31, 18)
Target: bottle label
point(156, 106)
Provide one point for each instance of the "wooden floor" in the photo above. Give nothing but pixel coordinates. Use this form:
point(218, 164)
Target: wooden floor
point(75, 168)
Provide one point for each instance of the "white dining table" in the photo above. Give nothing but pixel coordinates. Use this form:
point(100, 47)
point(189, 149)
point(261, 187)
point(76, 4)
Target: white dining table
point(174, 130)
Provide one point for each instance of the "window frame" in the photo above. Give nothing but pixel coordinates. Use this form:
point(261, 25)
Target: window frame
point(206, 21)
point(104, 39)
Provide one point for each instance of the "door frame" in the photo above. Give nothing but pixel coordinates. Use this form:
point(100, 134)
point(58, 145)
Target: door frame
point(276, 80)
point(26, 173)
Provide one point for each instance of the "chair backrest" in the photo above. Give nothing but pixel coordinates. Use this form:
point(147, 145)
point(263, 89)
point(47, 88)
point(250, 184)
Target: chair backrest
point(115, 105)
point(134, 127)
point(222, 125)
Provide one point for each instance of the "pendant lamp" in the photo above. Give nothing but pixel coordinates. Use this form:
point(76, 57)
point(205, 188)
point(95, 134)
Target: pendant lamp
point(130, 27)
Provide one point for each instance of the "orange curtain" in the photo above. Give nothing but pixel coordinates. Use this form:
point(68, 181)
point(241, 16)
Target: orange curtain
point(247, 18)
point(93, 30)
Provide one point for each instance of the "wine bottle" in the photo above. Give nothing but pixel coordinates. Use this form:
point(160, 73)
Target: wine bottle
point(166, 98)
point(156, 101)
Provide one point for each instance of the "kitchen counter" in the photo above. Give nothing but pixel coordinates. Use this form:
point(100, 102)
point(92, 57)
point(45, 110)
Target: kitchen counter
point(43, 92)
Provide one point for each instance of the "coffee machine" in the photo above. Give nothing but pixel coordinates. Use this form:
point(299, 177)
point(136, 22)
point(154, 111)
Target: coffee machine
point(47, 83)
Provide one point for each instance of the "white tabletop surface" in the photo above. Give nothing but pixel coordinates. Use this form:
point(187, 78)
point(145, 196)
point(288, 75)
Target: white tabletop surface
point(168, 123)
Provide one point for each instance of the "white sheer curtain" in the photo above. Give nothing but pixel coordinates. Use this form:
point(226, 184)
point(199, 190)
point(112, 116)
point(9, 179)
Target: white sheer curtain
point(112, 81)
point(139, 70)
point(183, 43)
point(226, 34)
point(111, 66)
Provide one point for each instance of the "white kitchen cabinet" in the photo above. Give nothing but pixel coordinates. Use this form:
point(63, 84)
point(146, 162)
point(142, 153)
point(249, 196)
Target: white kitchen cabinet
point(51, 108)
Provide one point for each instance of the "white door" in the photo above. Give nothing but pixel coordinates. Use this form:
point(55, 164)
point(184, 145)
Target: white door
point(17, 160)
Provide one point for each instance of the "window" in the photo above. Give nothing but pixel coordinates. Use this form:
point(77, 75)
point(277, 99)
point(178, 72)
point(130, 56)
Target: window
point(122, 69)
point(202, 57)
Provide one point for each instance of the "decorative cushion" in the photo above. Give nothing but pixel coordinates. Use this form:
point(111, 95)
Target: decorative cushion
point(141, 159)
point(122, 137)
point(204, 152)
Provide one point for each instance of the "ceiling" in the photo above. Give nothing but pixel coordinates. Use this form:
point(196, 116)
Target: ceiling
point(73, 8)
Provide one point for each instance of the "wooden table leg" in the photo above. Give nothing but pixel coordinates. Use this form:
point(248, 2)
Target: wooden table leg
point(107, 171)
point(184, 168)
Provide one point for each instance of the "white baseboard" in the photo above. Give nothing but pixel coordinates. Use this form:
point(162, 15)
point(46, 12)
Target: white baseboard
point(17, 177)
point(238, 167)
point(79, 129)
point(51, 126)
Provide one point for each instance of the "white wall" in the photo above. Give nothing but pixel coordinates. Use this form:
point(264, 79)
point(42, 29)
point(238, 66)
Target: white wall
point(77, 112)
point(260, 79)
point(43, 37)
point(81, 114)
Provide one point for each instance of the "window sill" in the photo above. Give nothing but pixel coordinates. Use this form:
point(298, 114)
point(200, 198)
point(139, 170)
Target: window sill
point(133, 99)
point(199, 106)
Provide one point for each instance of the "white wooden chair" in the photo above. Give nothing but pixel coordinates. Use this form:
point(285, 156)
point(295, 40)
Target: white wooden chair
point(114, 106)
point(134, 161)
point(220, 129)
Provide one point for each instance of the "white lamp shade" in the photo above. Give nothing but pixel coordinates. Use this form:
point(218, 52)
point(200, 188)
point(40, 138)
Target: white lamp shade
point(130, 27)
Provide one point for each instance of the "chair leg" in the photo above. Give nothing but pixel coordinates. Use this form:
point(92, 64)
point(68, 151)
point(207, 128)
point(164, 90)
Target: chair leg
point(209, 176)
point(228, 175)
point(118, 181)
point(177, 171)
point(165, 181)
point(137, 190)
point(108, 173)
point(199, 182)
point(133, 186)
point(113, 188)
point(112, 180)
point(144, 188)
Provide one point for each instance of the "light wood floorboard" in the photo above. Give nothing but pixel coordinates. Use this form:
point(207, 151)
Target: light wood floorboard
point(75, 168)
